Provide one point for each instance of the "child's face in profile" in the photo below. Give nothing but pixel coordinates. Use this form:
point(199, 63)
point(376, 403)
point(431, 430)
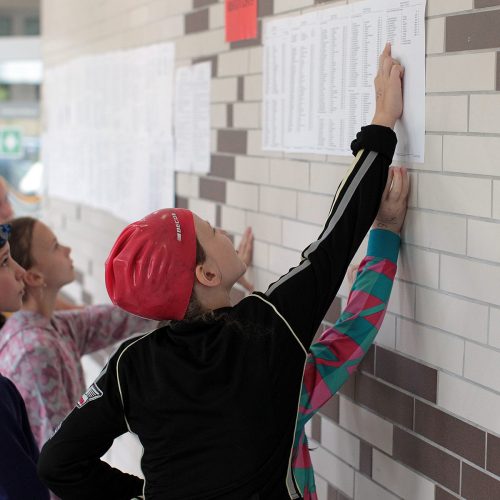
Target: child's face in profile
point(11, 281)
point(220, 252)
point(51, 258)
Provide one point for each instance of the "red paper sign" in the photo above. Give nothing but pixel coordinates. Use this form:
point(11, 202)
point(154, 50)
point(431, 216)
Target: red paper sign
point(241, 20)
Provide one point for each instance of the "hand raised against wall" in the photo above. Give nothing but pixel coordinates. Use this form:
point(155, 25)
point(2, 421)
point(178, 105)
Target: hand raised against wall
point(245, 252)
point(388, 90)
point(393, 205)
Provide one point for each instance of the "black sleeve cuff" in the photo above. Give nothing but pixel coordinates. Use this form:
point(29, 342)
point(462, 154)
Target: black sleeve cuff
point(377, 138)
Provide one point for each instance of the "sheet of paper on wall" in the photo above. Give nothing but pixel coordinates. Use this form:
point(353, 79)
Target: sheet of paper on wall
point(319, 69)
point(241, 20)
point(192, 118)
point(109, 139)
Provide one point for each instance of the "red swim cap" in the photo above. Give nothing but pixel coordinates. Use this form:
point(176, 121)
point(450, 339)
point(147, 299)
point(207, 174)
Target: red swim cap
point(150, 270)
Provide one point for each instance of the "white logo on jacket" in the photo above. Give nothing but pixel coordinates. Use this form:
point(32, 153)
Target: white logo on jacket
point(93, 392)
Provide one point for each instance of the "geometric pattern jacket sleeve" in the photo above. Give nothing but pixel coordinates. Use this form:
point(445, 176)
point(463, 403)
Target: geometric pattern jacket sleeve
point(341, 348)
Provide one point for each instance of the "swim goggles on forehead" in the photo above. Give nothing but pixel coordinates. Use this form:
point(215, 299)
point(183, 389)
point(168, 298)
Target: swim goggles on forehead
point(5, 230)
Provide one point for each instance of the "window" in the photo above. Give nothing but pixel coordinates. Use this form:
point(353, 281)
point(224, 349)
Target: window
point(32, 26)
point(5, 26)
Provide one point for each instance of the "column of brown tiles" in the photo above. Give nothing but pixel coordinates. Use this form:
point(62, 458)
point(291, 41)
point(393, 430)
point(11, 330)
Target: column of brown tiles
point(203, 3)
point(407, 374)
point(232, 141)
point(473, 31)
point(427, 459)
point(384, 400)
point(478, 485)
point(486, 3)
point(450, 432)
point(212, 189)
point(222, 166)
point(195, 22)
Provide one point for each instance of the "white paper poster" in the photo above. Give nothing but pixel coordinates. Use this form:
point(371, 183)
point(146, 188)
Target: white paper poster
point(319, 70)
point(192, 118)
point(109, 139)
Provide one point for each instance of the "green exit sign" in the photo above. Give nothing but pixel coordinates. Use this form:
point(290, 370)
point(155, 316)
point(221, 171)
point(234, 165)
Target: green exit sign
point(11, 143)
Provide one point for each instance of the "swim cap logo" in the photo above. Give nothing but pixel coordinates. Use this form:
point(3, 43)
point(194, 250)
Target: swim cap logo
point(177, 226)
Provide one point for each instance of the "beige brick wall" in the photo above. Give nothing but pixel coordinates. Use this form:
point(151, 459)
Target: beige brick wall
point(422, 419)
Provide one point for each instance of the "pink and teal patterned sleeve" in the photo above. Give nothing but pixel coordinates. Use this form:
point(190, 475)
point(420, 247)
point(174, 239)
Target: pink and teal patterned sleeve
point(341, 348)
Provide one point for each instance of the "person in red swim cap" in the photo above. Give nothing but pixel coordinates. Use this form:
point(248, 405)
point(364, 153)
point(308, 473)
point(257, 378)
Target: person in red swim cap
point(151, 268)
point(170, 261)
point(213, 394)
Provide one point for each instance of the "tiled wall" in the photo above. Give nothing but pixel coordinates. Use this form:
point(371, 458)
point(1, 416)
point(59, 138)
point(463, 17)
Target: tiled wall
point(422, 419)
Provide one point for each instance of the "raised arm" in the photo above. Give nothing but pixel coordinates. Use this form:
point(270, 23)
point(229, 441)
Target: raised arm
point(303, 295)
point(341, 348)
point(95, 327)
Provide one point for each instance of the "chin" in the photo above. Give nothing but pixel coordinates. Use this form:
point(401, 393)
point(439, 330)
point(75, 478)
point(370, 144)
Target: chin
point(70, 279)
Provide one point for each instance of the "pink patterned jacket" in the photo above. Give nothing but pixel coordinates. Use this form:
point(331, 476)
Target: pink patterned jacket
point(42, 357)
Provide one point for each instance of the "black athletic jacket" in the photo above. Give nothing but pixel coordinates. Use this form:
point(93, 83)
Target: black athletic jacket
point(214, 403)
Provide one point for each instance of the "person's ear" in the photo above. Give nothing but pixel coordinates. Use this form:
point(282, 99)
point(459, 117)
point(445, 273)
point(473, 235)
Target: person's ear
point(207, 274)
point(33, 278)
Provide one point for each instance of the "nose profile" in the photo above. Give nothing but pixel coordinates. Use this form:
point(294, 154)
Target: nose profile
point(6, 212)
point(19, 271)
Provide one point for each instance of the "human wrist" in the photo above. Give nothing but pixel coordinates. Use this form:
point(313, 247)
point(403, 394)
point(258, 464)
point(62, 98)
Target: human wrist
point(384, 120)
point(387, 226)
